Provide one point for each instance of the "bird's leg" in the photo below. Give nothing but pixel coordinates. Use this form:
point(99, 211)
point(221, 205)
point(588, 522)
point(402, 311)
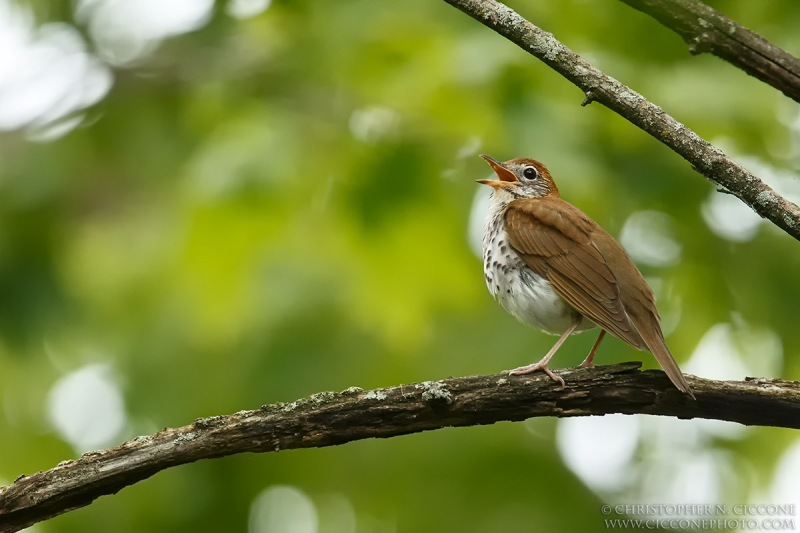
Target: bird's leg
point(587, 363)
point(542, 364)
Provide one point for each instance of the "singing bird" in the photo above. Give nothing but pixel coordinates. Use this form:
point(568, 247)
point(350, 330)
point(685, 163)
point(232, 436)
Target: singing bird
point(554, 268)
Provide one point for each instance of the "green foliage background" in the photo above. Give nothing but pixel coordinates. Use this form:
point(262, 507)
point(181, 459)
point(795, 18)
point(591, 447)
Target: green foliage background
point(216, 233)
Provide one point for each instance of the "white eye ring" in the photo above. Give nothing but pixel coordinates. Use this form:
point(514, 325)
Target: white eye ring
point(530, 173)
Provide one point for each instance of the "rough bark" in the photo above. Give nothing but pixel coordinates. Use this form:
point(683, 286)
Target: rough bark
point(328, 419)
point(706, 30)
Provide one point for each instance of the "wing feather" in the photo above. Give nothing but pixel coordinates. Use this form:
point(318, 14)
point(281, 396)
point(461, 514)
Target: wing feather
point(554, 238)
point(559, 242)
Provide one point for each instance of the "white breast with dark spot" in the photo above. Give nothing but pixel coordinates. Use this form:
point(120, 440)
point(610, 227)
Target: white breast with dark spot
point(522, 292)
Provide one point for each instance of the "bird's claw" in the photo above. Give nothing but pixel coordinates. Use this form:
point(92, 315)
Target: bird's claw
point(538, 367)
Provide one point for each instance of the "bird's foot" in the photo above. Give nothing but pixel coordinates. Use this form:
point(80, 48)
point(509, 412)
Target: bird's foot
point(588, 362)
point(541, 366)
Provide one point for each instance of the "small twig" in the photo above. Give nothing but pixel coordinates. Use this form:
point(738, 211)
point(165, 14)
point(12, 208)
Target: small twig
point(328, 419)
point(707, 30)
point(706, 158)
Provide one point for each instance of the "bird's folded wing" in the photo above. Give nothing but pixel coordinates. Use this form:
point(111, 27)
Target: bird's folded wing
point(554, 239)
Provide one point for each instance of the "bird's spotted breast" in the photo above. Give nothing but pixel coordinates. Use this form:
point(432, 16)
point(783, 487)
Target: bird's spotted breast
point(520, 291)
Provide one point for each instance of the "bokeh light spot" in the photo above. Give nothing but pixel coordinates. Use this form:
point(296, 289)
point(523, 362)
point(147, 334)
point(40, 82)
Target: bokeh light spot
point(86, 408)
point(283, 509)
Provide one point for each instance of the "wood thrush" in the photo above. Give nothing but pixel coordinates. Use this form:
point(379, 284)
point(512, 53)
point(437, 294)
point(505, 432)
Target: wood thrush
point(554, 268)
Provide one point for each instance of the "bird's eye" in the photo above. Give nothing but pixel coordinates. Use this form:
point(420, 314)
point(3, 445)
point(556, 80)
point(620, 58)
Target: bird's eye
point(530, 173)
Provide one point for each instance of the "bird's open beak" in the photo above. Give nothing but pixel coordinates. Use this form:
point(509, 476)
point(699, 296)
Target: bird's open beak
point(505, 175)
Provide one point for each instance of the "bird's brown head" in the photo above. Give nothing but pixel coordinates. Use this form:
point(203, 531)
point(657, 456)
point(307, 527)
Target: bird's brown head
point(521, 177)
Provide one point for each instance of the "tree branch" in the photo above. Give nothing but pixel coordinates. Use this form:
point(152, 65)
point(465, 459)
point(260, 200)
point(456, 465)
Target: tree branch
point(707, 30)
point(328, 419)
point(704, 157)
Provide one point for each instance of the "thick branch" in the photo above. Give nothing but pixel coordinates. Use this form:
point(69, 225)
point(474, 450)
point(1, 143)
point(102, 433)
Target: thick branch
point(705, 158)
point(327, 419)
point(707, 30)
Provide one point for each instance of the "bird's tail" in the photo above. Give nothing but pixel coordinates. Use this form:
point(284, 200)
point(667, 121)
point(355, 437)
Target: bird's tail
point(654, 340)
